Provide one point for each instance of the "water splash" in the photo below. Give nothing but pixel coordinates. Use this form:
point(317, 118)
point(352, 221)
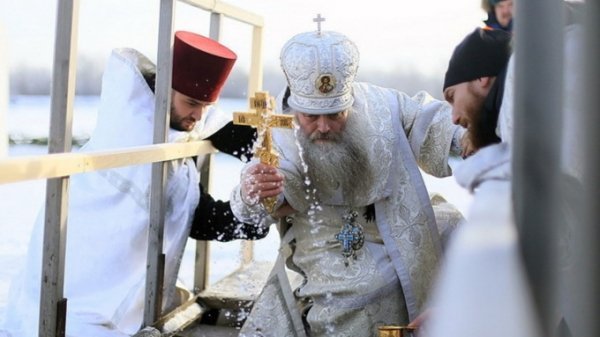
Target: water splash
point(311, 192)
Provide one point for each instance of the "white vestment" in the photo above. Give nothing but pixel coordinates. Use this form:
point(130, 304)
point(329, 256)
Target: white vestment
point(388, 282)
point(108, 217)
point(482, 289)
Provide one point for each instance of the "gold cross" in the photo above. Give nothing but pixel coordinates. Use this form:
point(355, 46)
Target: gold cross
point(262, 117)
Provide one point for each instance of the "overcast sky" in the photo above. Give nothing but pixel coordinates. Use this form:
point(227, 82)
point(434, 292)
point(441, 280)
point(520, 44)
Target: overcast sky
point(391, 34)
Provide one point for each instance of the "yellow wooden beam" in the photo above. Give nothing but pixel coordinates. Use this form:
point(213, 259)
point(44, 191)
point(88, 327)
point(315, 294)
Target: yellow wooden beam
point(64, 164)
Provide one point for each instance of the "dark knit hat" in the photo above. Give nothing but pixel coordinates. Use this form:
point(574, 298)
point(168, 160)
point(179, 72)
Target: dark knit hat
point(482, 53)
point(200, 66)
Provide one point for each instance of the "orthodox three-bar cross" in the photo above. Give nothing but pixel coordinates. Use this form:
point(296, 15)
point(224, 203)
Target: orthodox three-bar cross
point(262, 117)
point(318, 20)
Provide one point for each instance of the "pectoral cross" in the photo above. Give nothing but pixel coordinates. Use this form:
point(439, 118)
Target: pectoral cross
point(351, 237)
point(262, 117)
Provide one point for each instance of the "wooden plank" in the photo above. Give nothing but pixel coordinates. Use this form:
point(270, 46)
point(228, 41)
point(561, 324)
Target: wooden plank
point(215, 27)
point(66, 164)
point(228, 10)
point(60, 138)
point(174, 322)
point(255, 81)
point(53, 257)
point(202, 258)
point(238, 289)
point(200, 330)
point(201, 265)
point(155, 270)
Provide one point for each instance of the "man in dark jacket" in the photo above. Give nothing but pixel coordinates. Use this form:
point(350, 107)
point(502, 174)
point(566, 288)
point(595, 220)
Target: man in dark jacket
point(500, 14)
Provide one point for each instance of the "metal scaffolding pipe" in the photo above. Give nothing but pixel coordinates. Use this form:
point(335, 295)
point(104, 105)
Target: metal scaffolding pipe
point(536, 154)
point(587, 251)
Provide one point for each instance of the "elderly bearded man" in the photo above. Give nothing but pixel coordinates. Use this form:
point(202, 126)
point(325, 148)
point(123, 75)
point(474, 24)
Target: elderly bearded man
point(361, 231)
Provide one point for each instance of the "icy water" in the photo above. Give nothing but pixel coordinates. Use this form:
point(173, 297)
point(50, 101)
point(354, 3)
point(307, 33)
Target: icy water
point(28, 118)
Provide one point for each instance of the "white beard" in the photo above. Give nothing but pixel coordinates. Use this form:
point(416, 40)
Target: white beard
point(343, 163)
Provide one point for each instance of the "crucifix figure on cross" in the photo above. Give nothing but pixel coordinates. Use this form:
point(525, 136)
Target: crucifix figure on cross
point(262, 117)
point(318, 20)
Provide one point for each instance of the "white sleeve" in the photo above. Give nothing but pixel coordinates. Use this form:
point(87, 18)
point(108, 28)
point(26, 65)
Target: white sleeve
point(504, 130)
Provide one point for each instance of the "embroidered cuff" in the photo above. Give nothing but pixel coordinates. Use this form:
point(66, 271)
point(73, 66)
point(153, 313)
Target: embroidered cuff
point(243, 211)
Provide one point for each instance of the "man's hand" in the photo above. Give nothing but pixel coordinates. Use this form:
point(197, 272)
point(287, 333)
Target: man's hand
point(467, 145)
point(260, 181)
point(420, 320)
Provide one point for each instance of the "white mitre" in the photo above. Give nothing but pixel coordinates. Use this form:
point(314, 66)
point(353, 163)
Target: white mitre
point(320, 68)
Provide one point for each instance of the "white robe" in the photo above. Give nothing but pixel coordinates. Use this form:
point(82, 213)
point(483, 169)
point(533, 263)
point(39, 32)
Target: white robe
point(108, 219)
point(482, 289)
point(389, 281)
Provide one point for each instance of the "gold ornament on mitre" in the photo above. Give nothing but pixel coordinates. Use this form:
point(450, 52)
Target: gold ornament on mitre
point(261, 116)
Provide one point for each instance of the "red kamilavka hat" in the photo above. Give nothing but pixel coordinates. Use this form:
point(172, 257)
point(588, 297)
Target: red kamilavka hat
point(200, 66)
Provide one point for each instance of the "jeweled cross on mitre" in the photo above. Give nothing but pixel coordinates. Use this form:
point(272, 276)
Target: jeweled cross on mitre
point(262, 117)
